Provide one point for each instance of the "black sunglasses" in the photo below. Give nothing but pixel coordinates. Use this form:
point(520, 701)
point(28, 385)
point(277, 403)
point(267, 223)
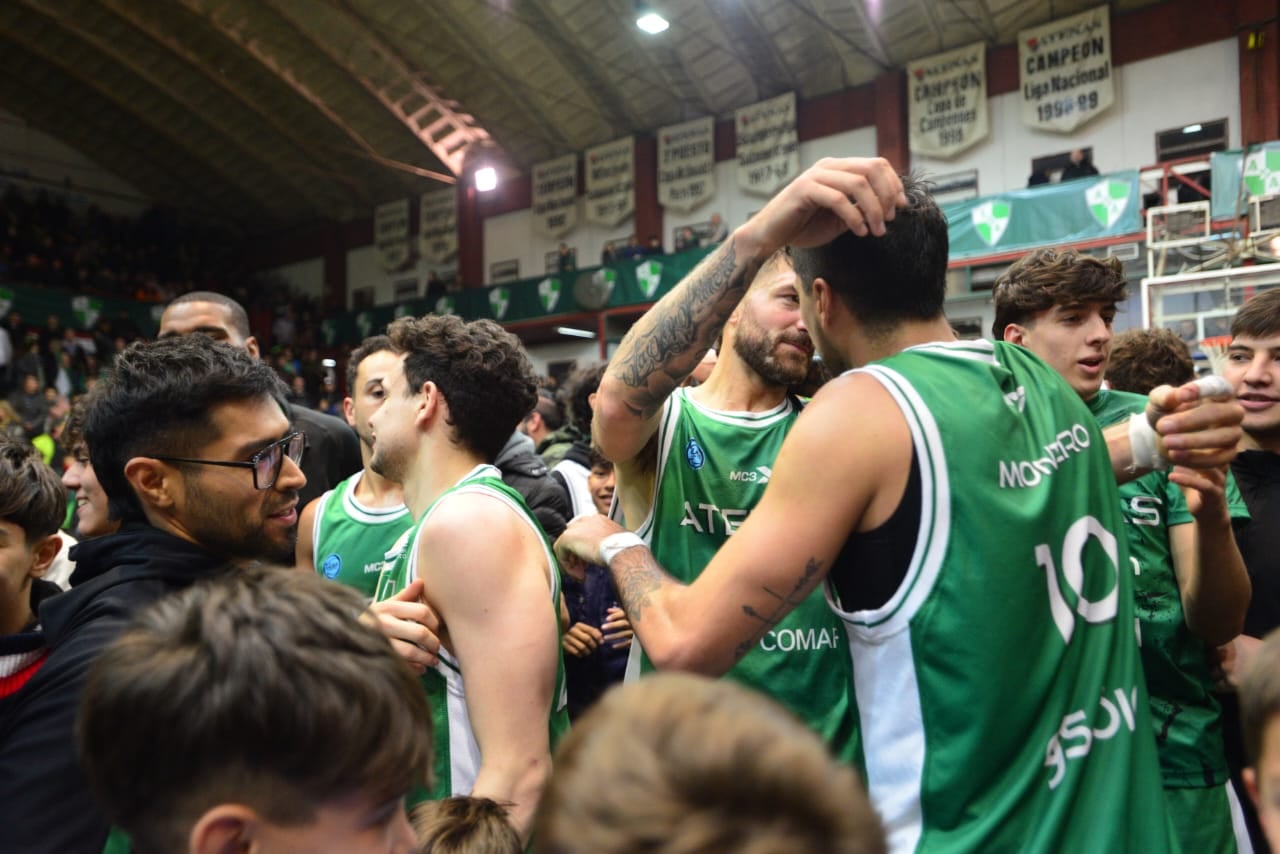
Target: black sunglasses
point(266, 464)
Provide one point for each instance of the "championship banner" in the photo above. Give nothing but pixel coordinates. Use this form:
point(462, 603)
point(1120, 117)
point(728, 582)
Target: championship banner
point(438, 225)
point(391, 234)
point(768, 149)
point(947, 104)
point(611, 189)
point(686, 164)
point(1066, 71)
point(555, 196)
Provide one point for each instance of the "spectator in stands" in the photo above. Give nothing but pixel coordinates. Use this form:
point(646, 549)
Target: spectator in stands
point(655, 245)
point(717, 231)
point(609, 254)
point(255, 713)
point(1081, 165)
point(1038, 177)
point(525, 472)
point(566, 261)
point(30, 405)
point(435, 287)
point(686, 239)
point(684, 763)
point(1142, 359)
point(546, 427)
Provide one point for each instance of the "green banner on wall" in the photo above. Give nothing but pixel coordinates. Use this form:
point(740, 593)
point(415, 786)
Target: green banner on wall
point(76, 311)
point(1238, 176)
point(1083, 209)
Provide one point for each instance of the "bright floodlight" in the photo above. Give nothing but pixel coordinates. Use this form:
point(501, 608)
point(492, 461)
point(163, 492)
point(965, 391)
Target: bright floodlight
point(651, 22)
point(486, 179)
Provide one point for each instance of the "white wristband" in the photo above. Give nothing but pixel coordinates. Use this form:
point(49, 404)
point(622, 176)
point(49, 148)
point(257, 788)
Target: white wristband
point(1143, 445)
point(614, 543)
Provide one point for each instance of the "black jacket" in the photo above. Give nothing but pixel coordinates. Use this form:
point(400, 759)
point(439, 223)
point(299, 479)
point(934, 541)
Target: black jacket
point(523, 471)
point(45, 802)
point(333, 452)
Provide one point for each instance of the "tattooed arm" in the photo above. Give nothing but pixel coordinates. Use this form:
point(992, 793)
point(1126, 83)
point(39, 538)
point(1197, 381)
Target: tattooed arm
point(667, 343)
point(836, 474)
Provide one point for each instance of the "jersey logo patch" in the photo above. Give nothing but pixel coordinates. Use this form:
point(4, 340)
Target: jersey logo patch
point(331, 567)
point(1017, 399)
point(693, 453)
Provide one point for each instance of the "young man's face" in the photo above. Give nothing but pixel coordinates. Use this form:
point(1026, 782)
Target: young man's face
point(601, 483)
point(1263, 782)
point(209, 318)
point(1253, 369)
point(392, 425)
point(1074, 339)
point(92, 516)
point(220, 509)
point(369, 392)
point(20, 561)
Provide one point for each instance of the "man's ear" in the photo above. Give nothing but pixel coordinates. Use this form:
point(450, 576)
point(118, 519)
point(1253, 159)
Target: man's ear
point(1015, 333)
point(1250, 778)
point(152, 481)
point(824, 300)
point(430, 404)
point(251, 344)
point(45, 550)
point(349, 411)
point(224, 829)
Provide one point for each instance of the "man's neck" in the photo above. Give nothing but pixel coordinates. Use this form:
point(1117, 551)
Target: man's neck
point(436, 470)
point(735, 387)
point(861, 349)
point(1252, 442)
point(374, 490)
point(16, 613)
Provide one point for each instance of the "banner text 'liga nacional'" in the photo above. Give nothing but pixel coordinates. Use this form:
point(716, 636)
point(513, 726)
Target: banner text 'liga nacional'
point(947, 101)
point(1065, 67)
point(555, 196)
point(768, 148)
point(438, 225)
point(687, 164)
point(611, 188)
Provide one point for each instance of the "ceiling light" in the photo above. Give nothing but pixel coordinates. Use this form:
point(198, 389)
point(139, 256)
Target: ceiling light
point(1192, 129)
point(575, 333)
point(649, 20)
point(486, 179)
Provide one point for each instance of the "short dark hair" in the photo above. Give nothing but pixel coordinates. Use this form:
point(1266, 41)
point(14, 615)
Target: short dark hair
point(31, 494)
point(73, 427)
point(583, 383)
point(481, 370)
point(1259, 317)
point(886, 280)
point(1142, 359)
point(549, 409)
point(464, 825)
point(369, 346)
point(157, 400)
point(239, 317)
point(1050, 277)
point(1260, 696)
point(261, 688)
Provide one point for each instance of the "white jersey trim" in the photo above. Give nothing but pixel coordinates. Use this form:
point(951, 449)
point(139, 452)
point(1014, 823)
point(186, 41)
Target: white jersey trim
point(363, 512)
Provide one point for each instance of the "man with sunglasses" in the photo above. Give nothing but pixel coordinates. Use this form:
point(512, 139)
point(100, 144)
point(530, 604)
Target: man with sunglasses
point(192, 444)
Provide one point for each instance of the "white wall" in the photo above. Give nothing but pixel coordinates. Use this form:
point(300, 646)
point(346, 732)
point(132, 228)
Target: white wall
point(511, 236)
point(585, 351)
point(364, 271)
point(29, 152)
point(305, 278)
point(1173, 90)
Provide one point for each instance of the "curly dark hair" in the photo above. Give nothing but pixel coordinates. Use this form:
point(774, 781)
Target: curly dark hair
point(481, 370)
point(1142, 359)
point(1051, 277)
point(369, 346)
point(157, 401)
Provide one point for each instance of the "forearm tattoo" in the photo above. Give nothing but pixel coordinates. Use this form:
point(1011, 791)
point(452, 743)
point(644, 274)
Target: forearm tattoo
point(636, 575)
point(784, 603)
point(667, 344)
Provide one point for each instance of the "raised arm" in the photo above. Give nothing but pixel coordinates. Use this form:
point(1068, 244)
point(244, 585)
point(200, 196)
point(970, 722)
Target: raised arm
point(1193, 431)
point(493, 595)
point(667, 343)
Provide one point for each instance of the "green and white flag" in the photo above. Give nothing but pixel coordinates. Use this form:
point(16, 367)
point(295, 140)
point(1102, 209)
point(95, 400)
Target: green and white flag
point(364, 324)
point(499, 301)
point(549, 294)
point(768, 148)
point(6, 303)
point(947, 101)
point(438, 225)
point(446, 305)
point(649, 276)
point(1262, 172)
point(991, 220)
point(1065, 68)
point(611, 189)
point(555, 196)
point(686, 164)
point(1107, 200)
point(329, 331)
point(87, 310)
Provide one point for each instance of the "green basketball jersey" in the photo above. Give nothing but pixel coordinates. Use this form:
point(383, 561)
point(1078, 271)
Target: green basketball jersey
point(349, 540)
point(457, 755)
point(712, 470)
point(1185, 713)
point(999, 689)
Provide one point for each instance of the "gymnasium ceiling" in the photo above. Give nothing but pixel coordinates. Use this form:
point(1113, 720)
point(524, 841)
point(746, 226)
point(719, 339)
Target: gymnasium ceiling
point(272, 113)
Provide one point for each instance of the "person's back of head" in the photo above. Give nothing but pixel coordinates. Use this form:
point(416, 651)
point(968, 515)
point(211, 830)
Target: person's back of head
point(1049, 277)
point(689, 765)
point(578, 391)
point(464, 825)
point(158, 400)
point(1142, 359)
point(886, 281)
point(253, 704)
point(33, 503)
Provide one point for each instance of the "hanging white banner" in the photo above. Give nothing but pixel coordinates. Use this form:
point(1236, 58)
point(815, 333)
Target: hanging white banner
point(611, 188)
point(391, 233)
point(687, 164)
point(947, 101)
point(438, 225)
point(768, 149)
point(1066, 71)
point(555, 196)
